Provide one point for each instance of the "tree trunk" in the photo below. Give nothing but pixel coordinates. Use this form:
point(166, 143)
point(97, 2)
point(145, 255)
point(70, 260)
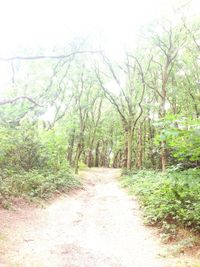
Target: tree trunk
point(151, 152)
point(125, 159)
point(70, 149)
point(163, 156)
point(116, 159)
point(144, 142)
point(139, 149)
point(77, 157)
point(90, 159)
point(129, 142)
point(97, 155)
point(163, 113)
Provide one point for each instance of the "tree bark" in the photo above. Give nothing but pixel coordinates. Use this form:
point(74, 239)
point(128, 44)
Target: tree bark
point(139, 149)
point(129, 142)
point(90, 158)
point(70, 148)
point(163, 156)
point(97, 155)
point(77, 157)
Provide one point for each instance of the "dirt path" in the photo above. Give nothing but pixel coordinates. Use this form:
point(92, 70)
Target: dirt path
point(98, 226)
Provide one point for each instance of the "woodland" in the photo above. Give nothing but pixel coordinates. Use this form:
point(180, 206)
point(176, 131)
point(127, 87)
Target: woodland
point(77, 107)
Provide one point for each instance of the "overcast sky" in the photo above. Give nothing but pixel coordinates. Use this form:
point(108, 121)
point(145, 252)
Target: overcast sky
point(46, 23)
point(32, 23)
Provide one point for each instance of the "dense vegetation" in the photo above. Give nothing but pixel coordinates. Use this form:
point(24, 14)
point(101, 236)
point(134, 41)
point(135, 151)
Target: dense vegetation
point(79, 107)
point(170, 200)
point(32, 163)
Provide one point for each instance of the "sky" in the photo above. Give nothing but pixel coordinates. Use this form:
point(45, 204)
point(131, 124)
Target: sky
point(33, 23)
point(43, 23)
point(30, 24)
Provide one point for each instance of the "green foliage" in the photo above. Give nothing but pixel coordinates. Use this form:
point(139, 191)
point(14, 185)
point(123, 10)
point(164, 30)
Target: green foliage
point(182, 136)
point(33, 162)
point(19, 147)
point(37, 184)
point(53, 148)
point(82, 165)
point(169, 199)
point(85, 108)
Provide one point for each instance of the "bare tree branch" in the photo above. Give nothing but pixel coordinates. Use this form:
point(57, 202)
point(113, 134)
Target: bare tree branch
point(12, 101)
point(47, 57)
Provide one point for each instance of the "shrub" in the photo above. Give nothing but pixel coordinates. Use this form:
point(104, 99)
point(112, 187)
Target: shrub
point(33, 162)
point(37, 184)
point(169, 199)
point(183, 141)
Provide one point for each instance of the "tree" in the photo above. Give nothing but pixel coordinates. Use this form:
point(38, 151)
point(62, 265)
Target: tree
point(128, 79)
point(166, 47)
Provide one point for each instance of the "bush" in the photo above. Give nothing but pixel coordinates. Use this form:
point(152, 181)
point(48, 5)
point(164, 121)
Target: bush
point(183, 142)
point(169, 199)
point(37, 184)
point(33, 162)
point(19, 147)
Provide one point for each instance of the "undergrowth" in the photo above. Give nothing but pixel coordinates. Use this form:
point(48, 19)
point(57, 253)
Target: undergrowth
point(170, 200)
point(35, 184)
point(33, 163)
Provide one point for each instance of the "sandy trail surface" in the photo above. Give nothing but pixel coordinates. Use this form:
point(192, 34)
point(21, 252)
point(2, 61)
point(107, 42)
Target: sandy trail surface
point(99, 225)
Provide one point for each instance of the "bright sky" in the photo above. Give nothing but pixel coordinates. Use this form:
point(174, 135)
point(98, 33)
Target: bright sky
point(45, 23)
point(32, 23)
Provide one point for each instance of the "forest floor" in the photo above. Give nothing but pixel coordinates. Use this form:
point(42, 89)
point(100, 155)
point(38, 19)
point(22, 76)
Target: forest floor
point(99, 225)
